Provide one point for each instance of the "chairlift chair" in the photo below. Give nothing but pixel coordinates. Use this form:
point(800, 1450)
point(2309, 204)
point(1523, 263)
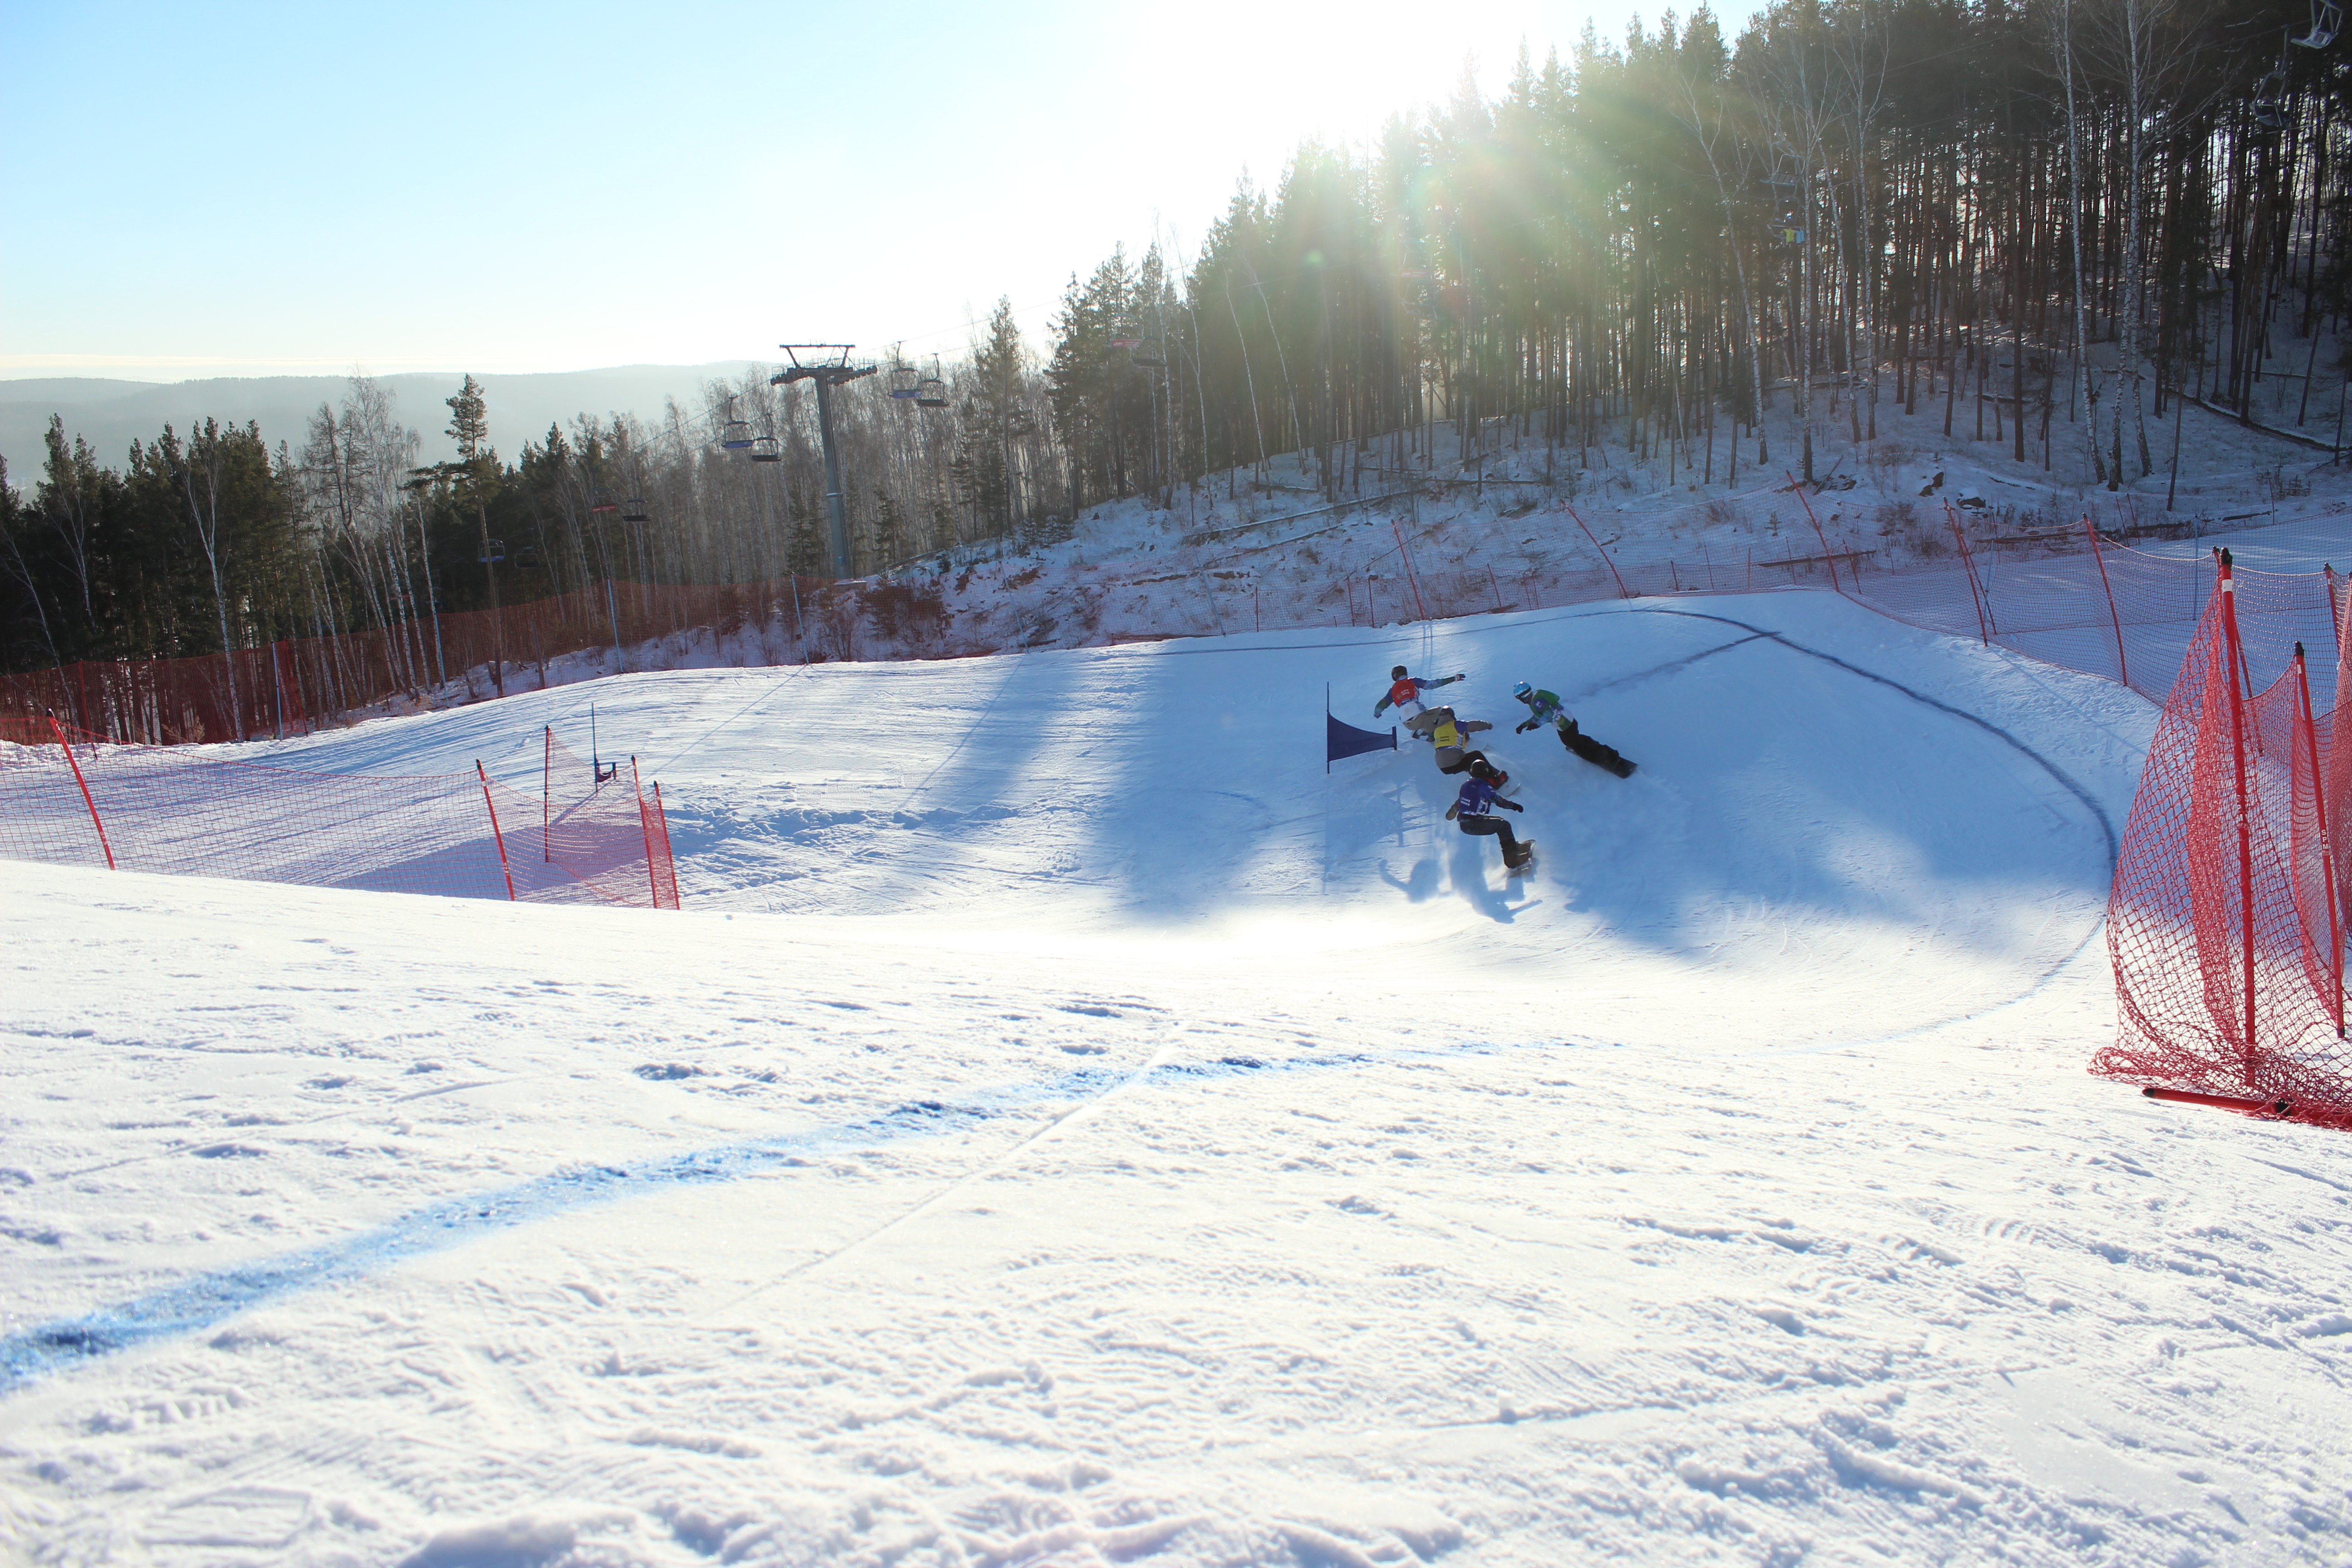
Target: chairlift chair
point(2270, 101)
point(634, 511)
point(1151, 357)
point(767, 449)
point(734, 434)
point(601, 502)
point(2327, 21)
point(527, 559)
point(905, 381)
point(931, 392)
point(491, 552)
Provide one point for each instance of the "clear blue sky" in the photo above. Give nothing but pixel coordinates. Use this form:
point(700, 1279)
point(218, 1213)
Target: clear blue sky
point(238, 189)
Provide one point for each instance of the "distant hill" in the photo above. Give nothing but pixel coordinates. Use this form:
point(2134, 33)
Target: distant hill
point(110, 413)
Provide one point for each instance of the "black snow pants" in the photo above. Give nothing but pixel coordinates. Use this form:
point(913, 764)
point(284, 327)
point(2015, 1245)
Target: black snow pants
point(1594, 751)
point(1494, 827)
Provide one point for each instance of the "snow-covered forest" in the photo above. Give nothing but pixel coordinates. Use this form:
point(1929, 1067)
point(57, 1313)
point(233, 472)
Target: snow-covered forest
point(2048, 227)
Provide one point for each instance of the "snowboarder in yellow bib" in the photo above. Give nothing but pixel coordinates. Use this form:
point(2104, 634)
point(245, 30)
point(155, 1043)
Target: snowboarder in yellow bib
point(1450, 736)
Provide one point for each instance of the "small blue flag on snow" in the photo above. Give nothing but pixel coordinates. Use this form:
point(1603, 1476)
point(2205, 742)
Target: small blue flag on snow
point(1347, 741)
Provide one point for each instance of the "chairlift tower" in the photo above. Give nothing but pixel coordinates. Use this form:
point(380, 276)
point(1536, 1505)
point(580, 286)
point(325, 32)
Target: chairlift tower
point(829, 366)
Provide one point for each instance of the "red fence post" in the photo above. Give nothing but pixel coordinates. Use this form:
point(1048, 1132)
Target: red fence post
point(2327, 849)
point(2234, 656)
point(500, 838)
point(86, 800)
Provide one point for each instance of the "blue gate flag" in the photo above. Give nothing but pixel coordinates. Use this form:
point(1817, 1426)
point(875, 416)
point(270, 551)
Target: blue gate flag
point(1347, 741)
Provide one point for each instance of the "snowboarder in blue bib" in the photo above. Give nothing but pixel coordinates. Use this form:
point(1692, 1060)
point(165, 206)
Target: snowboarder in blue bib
point(1545, 708)
point(1474, 809)
point(1404, 692)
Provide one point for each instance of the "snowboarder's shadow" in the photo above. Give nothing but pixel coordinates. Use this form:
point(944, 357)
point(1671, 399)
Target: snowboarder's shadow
point(1470, 868)
point(1420, 886)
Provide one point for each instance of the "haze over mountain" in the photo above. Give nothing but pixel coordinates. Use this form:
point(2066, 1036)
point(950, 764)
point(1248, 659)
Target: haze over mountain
point(110, 413)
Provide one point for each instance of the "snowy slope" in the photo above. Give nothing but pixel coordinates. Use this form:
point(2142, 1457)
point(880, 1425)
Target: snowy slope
point(1067, 1126)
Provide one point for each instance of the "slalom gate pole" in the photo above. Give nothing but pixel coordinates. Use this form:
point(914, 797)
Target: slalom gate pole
point(2221, 1101)
point(86, 800)
point(1804, 501)
point(1623, 591)
point(2123, 672)
point(652, 885)
point(504, 871)
point(2232, 656)
point(1326, 714)
point(546, 765)
point(2326, 848)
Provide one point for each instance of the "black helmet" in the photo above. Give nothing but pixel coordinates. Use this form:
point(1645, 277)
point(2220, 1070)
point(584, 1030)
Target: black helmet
point(1397, 674)
point(1482, 769)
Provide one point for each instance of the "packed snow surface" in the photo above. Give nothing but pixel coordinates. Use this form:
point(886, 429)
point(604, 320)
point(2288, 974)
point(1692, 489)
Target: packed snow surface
point(1066, 1125)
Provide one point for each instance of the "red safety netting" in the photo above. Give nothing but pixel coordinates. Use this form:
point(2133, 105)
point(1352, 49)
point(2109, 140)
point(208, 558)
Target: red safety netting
point(2225, 922)
point(72, 799)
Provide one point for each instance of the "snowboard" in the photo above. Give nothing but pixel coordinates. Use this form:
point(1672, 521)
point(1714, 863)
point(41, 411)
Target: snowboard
point(1526, 861)
point(1599, 755)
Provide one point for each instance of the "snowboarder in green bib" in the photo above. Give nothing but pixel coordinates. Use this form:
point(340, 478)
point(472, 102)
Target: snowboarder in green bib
point(1545, 708)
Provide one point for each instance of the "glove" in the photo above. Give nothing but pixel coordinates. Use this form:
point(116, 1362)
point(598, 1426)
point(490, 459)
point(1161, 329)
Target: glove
point(1509, 805)
point(1524, 728)
point(1450, 811)
point(1457, 677)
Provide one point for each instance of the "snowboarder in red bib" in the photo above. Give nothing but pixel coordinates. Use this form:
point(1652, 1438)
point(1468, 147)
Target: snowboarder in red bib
point(1404, 692)
point(1474, 809)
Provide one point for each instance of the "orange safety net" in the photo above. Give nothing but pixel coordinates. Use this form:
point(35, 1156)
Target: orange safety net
point(69, 798)
point(2225, 924)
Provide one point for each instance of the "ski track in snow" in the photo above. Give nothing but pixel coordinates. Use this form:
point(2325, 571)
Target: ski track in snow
point(1065, 1127)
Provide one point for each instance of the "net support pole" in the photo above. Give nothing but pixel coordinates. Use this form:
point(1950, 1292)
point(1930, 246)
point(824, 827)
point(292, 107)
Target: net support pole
point(1969, 568)
point(2234, 656)
point(496, 836)
point(1804, 501)
point(653, 881)
point(669, 856)
point(2327, 848)
point(2123, 669)
point(1623, 591)
point(1411, 577)
point(86, 799)
point(546, 767)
